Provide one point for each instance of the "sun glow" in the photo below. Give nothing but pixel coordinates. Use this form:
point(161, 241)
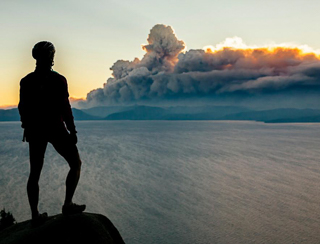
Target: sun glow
point(238, 44)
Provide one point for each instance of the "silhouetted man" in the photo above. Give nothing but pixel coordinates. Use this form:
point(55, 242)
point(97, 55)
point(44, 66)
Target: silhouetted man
point(46, 116)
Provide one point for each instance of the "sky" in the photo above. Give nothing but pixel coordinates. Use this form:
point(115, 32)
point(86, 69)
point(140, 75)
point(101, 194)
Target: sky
point(90, 36)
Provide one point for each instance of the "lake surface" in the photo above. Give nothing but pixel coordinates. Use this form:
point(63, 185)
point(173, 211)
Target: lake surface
point(182, 181)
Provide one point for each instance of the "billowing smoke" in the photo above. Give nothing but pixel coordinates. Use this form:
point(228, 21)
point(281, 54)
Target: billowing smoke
point(167, 72)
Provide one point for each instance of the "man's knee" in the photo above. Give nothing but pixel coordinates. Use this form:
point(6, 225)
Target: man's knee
point(79, 163)
point(33, 179)
point(75, 164)
point(36, 163)
point(36, 160)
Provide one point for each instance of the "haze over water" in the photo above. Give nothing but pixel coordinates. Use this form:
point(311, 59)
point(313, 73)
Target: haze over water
point(182, 181)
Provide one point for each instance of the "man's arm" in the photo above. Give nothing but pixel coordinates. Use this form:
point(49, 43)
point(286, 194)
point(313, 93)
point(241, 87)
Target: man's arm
point(67, 115)
point(22, 105)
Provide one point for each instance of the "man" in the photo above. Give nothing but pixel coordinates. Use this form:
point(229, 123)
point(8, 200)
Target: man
point(46, 116)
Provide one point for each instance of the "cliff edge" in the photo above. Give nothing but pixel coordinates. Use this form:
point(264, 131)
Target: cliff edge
point(78, 228)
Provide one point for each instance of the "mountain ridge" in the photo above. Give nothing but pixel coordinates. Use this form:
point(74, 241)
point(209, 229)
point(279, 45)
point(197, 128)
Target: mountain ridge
point(142, 112)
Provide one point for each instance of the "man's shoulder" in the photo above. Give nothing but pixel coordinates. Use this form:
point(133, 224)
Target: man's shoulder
point(25, 79)
point(58, 76)
point(35, 76)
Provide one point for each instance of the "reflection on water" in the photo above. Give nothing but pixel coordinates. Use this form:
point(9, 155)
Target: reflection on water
point(182, 181)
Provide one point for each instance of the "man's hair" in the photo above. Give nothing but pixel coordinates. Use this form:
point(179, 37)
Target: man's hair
point(43, 51)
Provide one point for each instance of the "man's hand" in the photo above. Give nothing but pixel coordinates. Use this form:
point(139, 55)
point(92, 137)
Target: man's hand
point(73, 137)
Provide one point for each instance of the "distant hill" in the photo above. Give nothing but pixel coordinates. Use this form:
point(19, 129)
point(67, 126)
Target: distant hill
point(9, 114)
point(80, 115)
point(278, 115)
point(201, 112)
point(284, 115)
point(308, 119)
point(13, 115)
point(139, 112)
point(103, 111)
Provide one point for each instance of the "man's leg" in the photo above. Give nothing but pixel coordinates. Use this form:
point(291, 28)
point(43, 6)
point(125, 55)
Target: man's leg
point(36, 152)
point(69, 151)
point(72, 177)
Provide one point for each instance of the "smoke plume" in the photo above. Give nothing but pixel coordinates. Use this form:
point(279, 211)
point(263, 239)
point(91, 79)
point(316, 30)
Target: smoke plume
point(167, 72)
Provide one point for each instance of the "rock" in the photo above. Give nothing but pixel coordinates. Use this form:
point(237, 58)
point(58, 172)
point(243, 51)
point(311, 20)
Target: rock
point(78, 228)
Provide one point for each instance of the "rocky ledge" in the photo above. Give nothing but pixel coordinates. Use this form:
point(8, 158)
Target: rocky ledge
point(78, 228)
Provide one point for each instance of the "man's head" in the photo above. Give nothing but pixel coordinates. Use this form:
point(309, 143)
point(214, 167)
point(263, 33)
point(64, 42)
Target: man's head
point(43, 52)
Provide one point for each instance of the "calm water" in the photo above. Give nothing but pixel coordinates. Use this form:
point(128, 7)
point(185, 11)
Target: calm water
point(181, 181)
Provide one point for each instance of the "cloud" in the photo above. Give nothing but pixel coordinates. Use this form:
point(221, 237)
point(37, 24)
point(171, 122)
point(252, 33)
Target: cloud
point(166, 71)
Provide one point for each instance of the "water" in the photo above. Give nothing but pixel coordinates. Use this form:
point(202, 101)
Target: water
point(182, 181)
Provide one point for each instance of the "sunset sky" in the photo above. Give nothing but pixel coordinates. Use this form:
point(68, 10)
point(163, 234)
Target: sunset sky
point(90, 36)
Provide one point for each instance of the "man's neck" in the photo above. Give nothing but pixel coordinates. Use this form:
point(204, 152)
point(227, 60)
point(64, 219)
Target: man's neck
point(43, 67)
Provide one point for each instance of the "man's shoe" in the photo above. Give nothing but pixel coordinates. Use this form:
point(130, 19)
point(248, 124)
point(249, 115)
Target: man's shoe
point(73, 209)
point(39, 220)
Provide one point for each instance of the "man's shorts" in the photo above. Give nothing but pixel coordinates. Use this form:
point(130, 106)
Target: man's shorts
point(60, 140)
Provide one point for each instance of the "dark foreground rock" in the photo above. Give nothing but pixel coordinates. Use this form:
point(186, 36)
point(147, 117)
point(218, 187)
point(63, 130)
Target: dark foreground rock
point(78, 228)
